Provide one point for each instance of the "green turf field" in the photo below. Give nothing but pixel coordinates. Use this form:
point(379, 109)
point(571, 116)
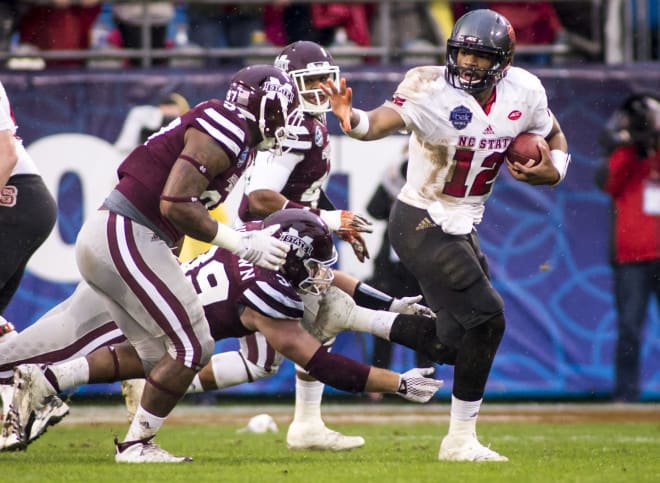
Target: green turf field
point(405, 451)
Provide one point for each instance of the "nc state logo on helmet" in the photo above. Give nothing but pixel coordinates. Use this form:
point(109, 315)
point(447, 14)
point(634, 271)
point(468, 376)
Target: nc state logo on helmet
point(304, 61)
point(312, 254)
point(487, 32)
point(268, 97)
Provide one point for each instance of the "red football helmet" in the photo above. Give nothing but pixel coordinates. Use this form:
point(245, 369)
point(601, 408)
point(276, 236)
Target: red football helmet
point(267, 96)
point(308, 263)
point(487, 32)
point(305, 59)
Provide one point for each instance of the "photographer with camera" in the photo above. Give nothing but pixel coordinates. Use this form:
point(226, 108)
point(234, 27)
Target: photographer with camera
point(631, 176)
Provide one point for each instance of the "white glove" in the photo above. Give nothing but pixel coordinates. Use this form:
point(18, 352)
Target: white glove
point(261, 248)
point(417, 387)
point(409, 305)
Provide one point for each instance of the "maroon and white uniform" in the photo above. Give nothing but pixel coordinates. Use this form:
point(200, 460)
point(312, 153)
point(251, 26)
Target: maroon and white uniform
point(298, 174)
point(223, 282)
point(123, 251)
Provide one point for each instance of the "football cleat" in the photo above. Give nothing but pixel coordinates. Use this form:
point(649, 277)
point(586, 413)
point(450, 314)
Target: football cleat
point(144, 451)
point(53, 411)
point(31, 393)
point(302, 436)
point(467, 448)
point(13, 436)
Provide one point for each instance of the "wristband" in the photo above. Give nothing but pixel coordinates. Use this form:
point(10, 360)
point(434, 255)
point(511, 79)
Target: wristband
point(560, 160)
point(362, 128)
point(367, 296)
point(227, 238)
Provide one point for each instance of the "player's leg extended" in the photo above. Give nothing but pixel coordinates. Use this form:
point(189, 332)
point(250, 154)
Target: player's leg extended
point(453, 275)
point(75, 327)
point(147, 292)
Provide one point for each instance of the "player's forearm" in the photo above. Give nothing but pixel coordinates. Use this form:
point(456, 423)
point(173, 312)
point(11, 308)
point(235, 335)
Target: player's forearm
point(382, 380)
point(375, 124)
point(348, 375)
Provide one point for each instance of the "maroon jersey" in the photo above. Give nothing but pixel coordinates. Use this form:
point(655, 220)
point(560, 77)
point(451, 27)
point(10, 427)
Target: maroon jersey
point(142, 175)
point(226, 284)
point(308, 165)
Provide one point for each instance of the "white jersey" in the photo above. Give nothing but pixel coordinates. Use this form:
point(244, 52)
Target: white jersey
point(455, 148)
point(25, 165)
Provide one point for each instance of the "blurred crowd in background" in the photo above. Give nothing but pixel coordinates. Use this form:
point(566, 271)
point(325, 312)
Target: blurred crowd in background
point(548, 33)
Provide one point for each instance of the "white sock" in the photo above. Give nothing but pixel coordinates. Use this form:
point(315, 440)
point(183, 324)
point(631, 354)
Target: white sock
point(376, 322)
point(72, 373)
point(308, 401)
point(144, 425)
point(463, 416)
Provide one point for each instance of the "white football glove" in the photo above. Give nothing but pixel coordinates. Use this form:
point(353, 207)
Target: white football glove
point(261, 248)
point(415, 386)
point(410, 306)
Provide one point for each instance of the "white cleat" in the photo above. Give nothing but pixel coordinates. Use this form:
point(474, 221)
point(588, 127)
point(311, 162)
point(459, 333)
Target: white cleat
point(319, 437)
point(144, 451)
point(31, 393)
point(467, 448)
point(53, 411)
point(12, 437)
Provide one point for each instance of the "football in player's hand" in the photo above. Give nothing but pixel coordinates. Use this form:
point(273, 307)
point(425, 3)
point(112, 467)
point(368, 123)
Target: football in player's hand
point(524, 147)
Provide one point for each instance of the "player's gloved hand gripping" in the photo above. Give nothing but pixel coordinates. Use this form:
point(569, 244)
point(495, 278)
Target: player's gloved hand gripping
point(411, 306)
point(416, 386)
point(258, 246)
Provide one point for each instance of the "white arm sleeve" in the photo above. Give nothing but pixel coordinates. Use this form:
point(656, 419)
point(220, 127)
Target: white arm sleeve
point(272, 172)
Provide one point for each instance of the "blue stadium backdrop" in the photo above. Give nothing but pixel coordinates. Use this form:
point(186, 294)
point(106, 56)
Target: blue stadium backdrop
point(548, 248)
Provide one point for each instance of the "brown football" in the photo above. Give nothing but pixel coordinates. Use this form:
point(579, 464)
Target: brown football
point(524, 147)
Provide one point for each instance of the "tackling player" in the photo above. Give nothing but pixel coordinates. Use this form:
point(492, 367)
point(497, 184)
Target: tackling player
point(461, 117)
point(240, 298)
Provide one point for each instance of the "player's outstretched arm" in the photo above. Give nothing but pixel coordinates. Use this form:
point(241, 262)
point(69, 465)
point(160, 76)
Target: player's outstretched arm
point(356, 123)
point(291, 340)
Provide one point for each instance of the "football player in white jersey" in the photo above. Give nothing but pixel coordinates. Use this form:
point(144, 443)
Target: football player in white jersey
point(461, 118)
point(27, 209)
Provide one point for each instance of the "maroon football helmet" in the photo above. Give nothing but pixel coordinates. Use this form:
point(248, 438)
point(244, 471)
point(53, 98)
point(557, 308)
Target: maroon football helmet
point(267, 96)
point(312, 254)
point(305, 59)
